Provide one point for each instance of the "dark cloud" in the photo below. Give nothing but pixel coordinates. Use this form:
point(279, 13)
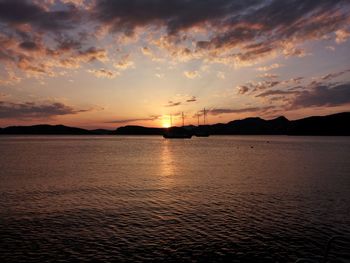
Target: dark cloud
point(242, 89)
point(193, 99)
point(176, 15)
point(331, 76)
point(181, 100)
point(28, 12)
point(231, 31)
point(323, 96)
point(277, 25)
point(66, 43)
point(262, 85)
point(93, 53)
point(277, 92)
point(53, 32)
point(31, 110)
point(220, 111)
point(122, 121)
point(257, 27)
point(249, 55)
point(29, 45)
point(173, 104)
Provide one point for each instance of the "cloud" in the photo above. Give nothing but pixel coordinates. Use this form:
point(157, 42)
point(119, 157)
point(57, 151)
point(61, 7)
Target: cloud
point(9, 78)
point(294, 81)
point(242, 89)
point(277, 92)
point(124, 63)
point(36, 55)
point(257, 28)
point(331, 76)
point(268, 76)
point(323, 96)
point(177, 15)
point(283, 25)
point(29, 45)
point(122, 121)
point(262, 85)
point(32, 110)
point(20, 12)
point(173, 104)
point(219, 111)
point(146, 51)
point(192, 99)
point(92, 54)
point(66, 43)
point(181, 99)
point(270, 67)
point(236, 33)
point(192, 74)
point(103, 73)
point(290, 50)
point(75, 58)
point(341, 35)
point(34, 69)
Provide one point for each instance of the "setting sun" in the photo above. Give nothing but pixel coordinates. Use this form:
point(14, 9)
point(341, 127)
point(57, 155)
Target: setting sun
point(166, 122)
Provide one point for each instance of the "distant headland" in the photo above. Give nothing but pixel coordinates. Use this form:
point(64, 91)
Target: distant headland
point(330, 125)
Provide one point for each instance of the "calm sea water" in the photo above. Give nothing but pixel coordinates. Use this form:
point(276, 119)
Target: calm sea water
point(237, 198)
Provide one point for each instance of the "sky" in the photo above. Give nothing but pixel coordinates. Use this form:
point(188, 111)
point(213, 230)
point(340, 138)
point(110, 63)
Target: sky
point(105, 64)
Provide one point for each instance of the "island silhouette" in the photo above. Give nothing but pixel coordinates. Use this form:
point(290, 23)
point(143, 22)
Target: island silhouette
point(330, 125)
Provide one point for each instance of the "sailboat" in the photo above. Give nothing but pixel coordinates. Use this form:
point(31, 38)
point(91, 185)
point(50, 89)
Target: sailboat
point(177, 132)
point(202, 131)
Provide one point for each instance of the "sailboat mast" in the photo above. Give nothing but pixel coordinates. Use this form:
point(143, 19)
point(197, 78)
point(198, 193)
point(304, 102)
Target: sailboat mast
point(183, 119)
point(204, 113)
point(198, 118)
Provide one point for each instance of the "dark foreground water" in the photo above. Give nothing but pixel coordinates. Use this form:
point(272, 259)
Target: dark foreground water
point(242, 199)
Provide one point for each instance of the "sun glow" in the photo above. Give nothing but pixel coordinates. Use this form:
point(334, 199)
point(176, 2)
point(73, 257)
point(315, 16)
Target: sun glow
point(166, 123)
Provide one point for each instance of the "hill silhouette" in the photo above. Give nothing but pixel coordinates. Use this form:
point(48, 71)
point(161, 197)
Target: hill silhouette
point(139, 130)
point(252, 126)
point(335, 124)
point(45, 129)
point(332, 125)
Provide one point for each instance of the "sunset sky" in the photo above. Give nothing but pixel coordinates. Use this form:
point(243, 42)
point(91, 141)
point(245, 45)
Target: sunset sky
point(104, 64)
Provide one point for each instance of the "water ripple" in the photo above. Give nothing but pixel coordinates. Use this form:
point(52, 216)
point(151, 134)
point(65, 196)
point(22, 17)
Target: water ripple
point(173, 201)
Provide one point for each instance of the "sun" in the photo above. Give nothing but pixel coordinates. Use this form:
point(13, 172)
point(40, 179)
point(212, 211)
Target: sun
point(166, 122)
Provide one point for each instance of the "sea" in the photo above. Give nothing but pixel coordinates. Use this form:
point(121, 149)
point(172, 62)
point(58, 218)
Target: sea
point(150, 199)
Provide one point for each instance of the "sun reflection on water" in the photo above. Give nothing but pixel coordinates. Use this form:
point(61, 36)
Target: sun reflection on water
point(167, 163)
